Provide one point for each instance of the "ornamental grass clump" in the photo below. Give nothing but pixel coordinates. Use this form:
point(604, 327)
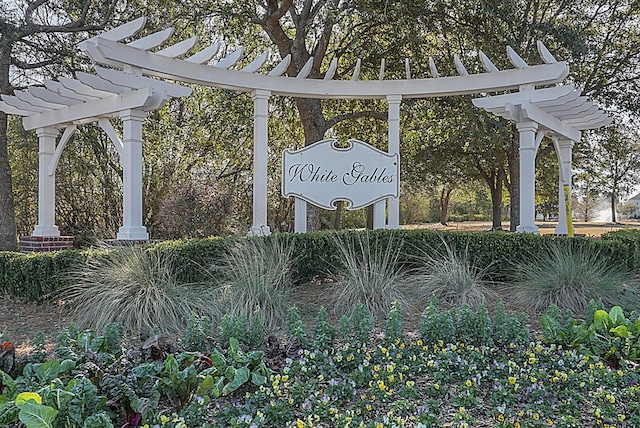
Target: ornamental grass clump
point(255, 281)
point(138, 288)
point(451, 277)
point(368, 274)
point(569, 277)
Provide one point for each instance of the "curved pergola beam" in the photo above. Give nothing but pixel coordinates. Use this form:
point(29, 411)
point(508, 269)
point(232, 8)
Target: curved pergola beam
point(115, 54)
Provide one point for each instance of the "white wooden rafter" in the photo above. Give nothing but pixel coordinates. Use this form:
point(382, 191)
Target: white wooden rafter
point(108, 51)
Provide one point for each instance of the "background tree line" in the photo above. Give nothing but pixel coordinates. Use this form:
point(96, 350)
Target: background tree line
point(198, 151)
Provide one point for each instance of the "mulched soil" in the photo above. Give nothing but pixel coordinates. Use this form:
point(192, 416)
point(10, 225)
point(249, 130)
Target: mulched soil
point(19, 321)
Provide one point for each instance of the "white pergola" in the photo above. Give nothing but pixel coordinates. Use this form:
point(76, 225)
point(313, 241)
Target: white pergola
point(559, 113)
point(554, 111)
point(88, 98)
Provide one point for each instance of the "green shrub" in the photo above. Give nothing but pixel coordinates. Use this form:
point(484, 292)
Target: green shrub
point(393, 324)
point(474, 327)
point(437, 326)
point(361, 324)
point(451, 277)
point(254, 278)
point(570, 276)
point(323, 331)
point(630, 240)
point(248, 332)
point(198, 334)
point(368, 273)
point(137, 287)
point(296, 328)
point(37, 277)
point(508, 328)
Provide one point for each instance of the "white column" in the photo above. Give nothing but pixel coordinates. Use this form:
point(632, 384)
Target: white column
point(46, 184)
point(131, 160)
point(564, 153)
point(394, 147)
point(300, 214)
point(528, 150)
point(260, 142)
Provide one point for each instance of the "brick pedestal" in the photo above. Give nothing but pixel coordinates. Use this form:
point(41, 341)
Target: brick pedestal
point(112, 243)
point(40, 244)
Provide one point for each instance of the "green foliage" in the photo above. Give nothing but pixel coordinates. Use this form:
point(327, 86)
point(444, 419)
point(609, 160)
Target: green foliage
point(501, 331)
point(617, 337)
point(72, 344)
point(361, 324)
point(429, 329)
point(561, 327)
point(437, 326)
point(296, 329)
point(592, 307)
point(229, 373)
point(609, 335)
point(451, 276)
point(393, 324)
point(367, 273)
point(137, 287)
point(37, 277)
point(344, 328)
point(473, 327)
point(198, 334)
point(99, 420)
point(178, 383)
point(358, 326)
point(630, 240)
point(250, 334)
point(570, 276)
point(66, 343)
point(323, 331)
point(36, 415)
point(254, 278)
point(39, 346)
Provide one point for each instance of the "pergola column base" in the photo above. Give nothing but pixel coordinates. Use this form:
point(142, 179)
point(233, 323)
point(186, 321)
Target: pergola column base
point(133, 233)
point(46, 231)
point(561, 229)
point(260, 231)
point(41, 244)
point(528, 229)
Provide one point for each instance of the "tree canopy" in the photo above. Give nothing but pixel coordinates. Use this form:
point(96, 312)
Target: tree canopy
point(199, 149)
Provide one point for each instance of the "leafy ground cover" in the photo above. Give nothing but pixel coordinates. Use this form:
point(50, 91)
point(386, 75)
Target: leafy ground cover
point(406, 362)
point(461, 367)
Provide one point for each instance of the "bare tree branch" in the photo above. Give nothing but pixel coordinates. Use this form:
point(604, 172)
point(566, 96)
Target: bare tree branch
point(30, 66)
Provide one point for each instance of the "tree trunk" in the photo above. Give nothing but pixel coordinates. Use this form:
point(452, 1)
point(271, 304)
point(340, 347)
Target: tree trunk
point(513, 159)
point(496, 207)
point(337, 221)
point(7, 209)
point(445, 198)
point(613, 207)
point(314, 125)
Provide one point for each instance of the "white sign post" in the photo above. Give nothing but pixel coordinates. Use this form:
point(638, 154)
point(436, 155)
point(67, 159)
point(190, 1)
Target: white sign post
point(322, 174)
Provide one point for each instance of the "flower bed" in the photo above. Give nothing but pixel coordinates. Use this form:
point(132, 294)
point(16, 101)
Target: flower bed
point(410, 384)
point(491, 375)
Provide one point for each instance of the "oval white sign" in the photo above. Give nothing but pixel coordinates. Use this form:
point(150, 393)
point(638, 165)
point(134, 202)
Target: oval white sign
point(323, 174)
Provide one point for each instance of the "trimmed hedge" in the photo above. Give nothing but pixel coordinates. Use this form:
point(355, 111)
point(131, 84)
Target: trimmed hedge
point(36, 277)
point(630, 238)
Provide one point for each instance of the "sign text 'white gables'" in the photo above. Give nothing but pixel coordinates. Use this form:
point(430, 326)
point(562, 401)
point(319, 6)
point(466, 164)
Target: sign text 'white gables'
point(323, 174)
